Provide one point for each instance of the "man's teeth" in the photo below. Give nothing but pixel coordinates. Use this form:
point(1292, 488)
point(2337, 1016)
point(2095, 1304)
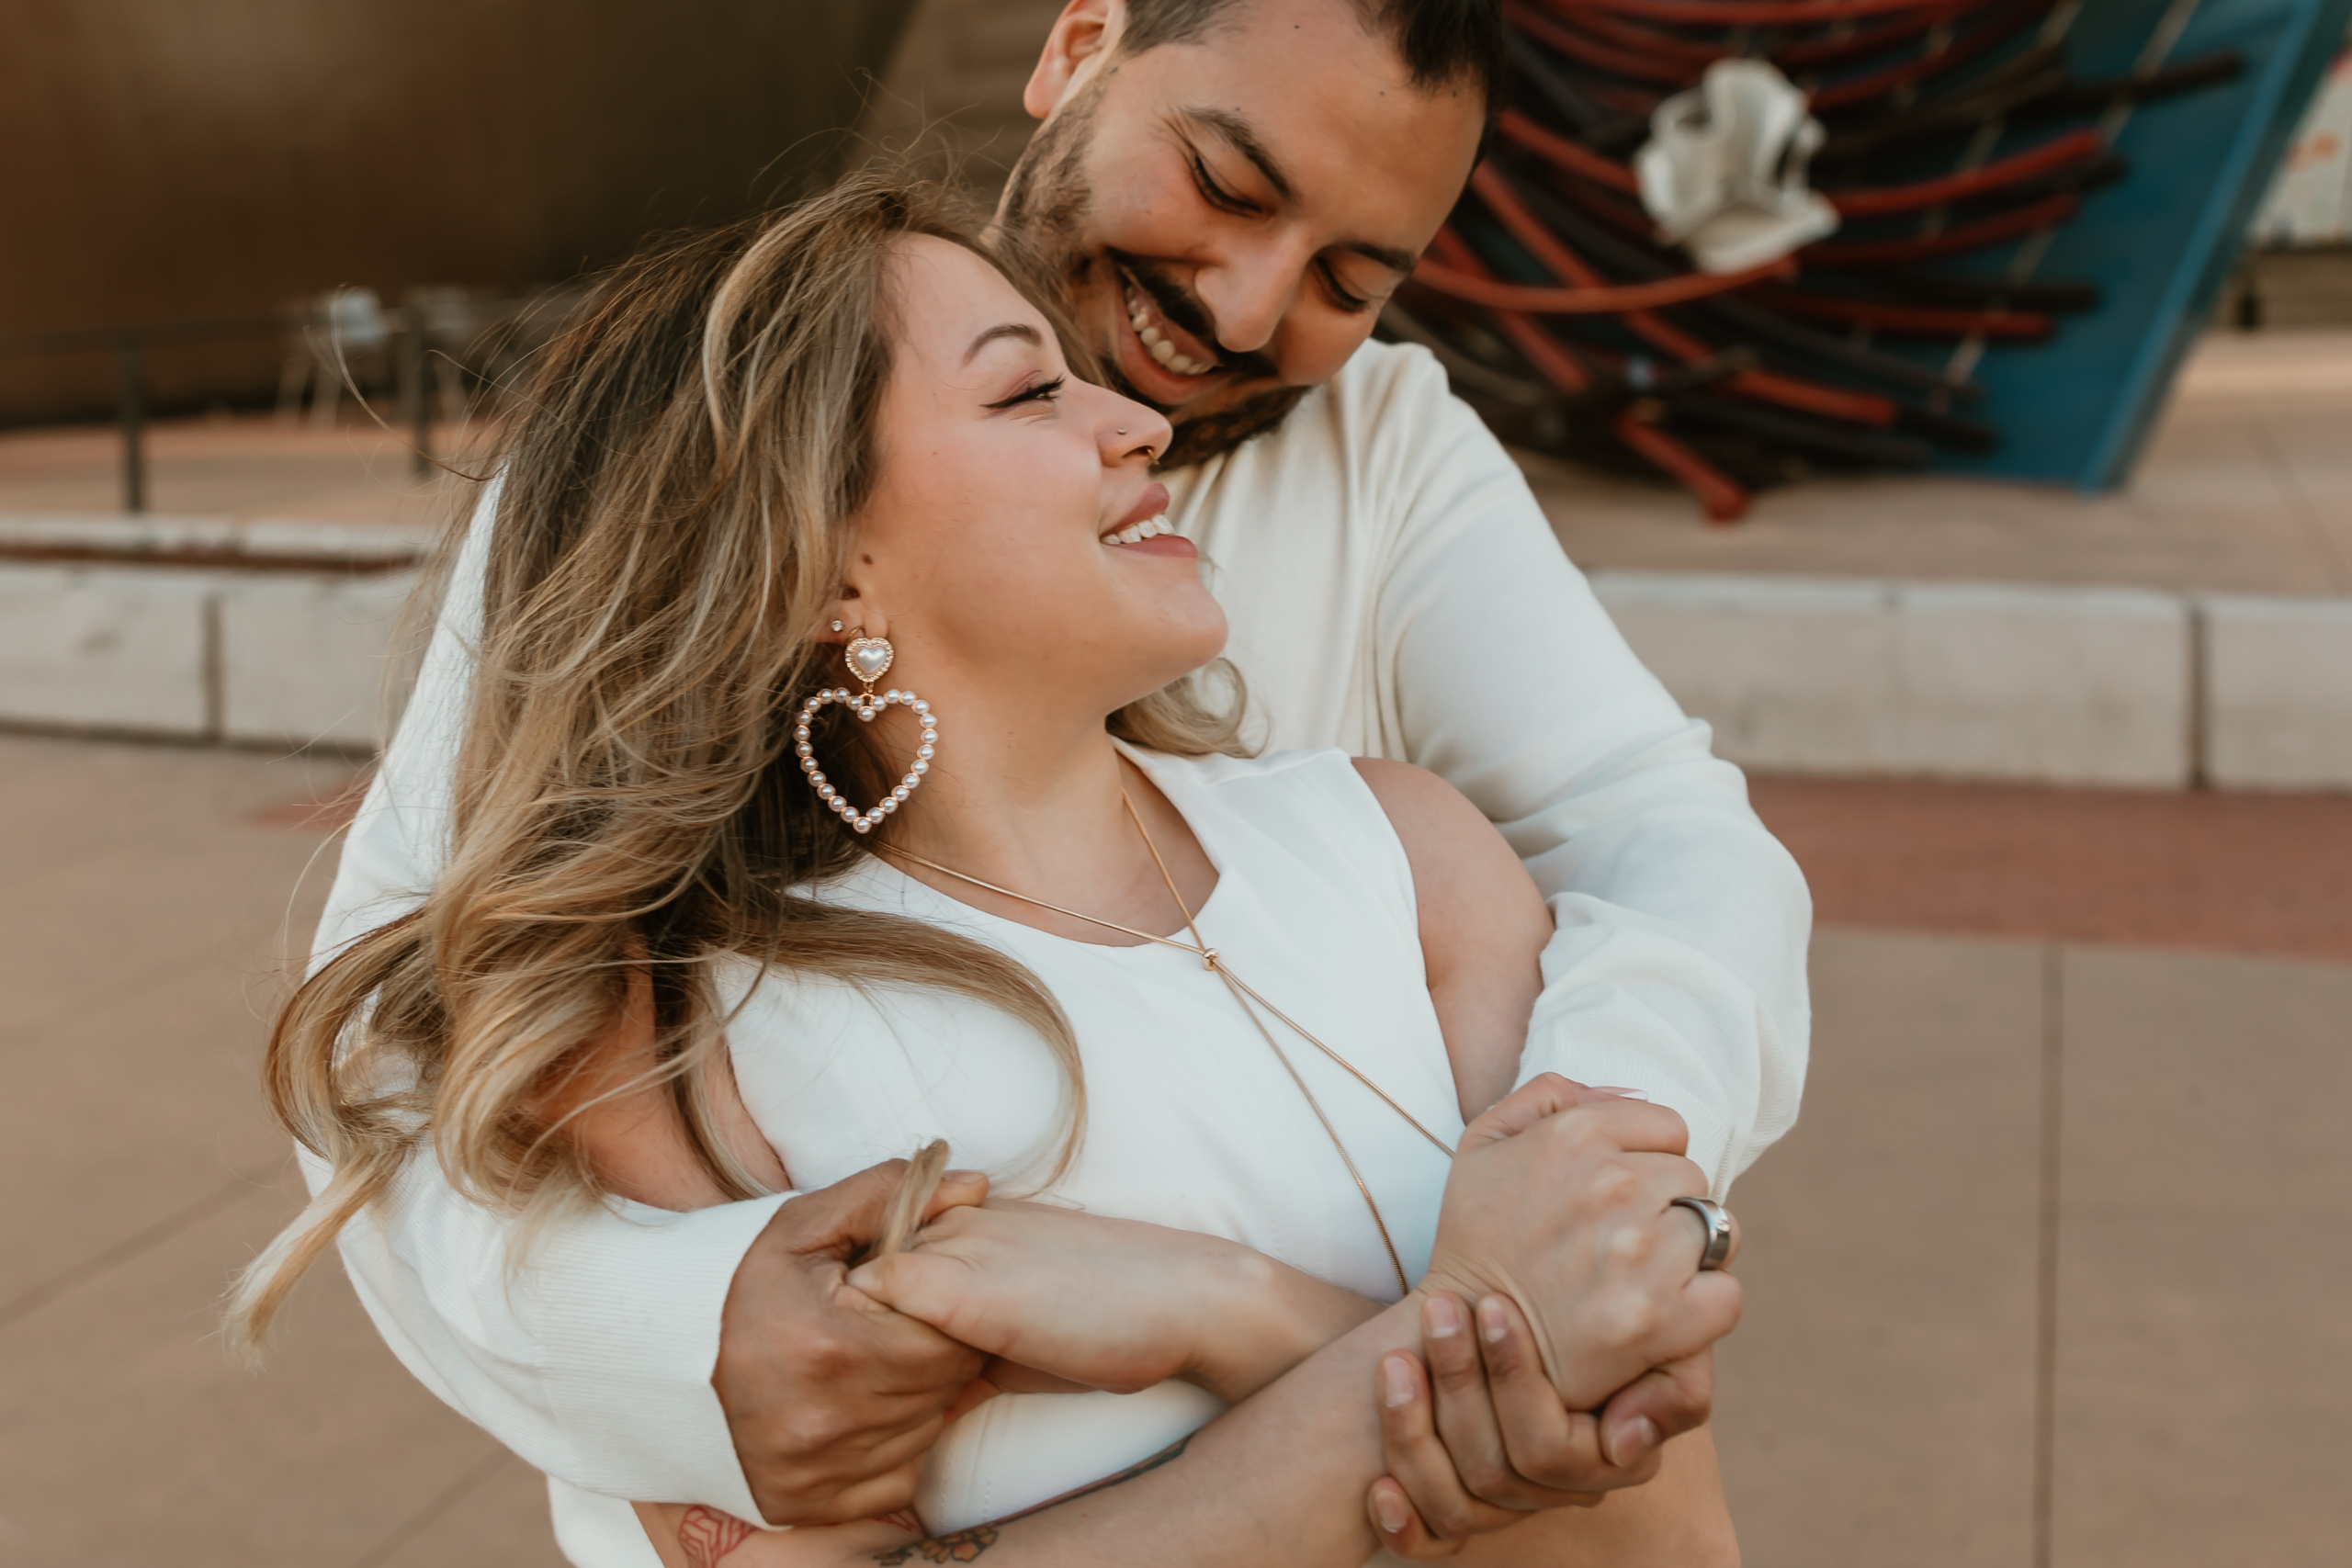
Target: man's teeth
point(1136, 533)
point(1140, 316)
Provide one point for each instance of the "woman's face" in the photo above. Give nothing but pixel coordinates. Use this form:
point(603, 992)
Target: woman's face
point(988, 552)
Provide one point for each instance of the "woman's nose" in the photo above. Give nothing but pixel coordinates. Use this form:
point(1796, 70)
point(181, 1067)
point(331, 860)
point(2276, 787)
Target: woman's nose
point(1132, 429)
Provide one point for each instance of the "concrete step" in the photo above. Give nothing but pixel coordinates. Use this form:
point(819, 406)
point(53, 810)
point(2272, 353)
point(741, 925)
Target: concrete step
point(2025, 683)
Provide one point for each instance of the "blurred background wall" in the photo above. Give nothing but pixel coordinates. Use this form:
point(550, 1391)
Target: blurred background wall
point(174, 159)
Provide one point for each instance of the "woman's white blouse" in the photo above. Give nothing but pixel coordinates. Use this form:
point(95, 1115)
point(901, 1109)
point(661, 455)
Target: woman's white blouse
point(1191, 1121)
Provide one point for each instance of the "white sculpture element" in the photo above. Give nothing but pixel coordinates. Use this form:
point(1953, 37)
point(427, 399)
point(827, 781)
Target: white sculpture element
point(1724, 171)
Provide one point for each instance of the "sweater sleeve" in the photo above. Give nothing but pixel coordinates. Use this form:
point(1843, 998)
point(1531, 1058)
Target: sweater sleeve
point(1677, 964)
point(588, 1348)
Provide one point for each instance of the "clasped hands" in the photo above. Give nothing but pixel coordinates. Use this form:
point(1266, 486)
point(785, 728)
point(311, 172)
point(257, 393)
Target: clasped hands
point(1566, 1330)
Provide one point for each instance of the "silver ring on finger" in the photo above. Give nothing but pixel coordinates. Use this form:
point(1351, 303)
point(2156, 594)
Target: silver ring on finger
point(1717, 1219)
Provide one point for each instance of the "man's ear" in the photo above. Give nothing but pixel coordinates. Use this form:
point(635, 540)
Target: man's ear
point(1085, 35)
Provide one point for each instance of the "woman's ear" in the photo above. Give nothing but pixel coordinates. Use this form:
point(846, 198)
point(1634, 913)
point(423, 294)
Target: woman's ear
point(853, 615)
point(1085, 32)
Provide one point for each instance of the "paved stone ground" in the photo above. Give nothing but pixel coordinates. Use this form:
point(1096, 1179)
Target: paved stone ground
point(2053, 1248)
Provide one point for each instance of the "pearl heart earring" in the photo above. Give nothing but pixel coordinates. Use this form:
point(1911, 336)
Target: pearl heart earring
point(868, 658)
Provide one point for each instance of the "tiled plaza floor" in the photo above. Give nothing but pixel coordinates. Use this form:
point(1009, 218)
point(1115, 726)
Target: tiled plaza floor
point(2090, 1179)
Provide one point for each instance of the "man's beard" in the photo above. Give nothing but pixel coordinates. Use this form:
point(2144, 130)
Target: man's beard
point(1045, 205)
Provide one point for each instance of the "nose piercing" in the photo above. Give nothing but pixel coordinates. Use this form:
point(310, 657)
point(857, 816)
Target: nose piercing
point(1123, 430)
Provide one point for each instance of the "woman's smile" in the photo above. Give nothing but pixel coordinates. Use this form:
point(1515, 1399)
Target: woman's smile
point(1144, 530)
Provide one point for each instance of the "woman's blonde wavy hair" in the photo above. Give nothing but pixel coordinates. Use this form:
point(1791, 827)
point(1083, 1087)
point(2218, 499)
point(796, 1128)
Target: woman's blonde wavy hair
point(672, 523)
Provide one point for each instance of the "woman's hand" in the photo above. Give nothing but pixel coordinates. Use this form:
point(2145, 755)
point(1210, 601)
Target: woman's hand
point(1107, 1304)
point(1560, 1203)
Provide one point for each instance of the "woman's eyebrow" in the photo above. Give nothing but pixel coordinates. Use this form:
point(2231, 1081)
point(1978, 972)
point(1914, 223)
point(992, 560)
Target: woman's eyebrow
point(1021, 329)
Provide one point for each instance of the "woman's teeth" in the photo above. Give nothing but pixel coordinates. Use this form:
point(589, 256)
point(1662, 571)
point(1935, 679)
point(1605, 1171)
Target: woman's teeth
point(1145, 320)
point(1136, 533)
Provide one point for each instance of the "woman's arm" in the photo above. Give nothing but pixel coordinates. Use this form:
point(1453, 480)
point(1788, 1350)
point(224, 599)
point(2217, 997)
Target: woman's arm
point(1603, 1270)
point(1484, 926)
point(1101, 1302)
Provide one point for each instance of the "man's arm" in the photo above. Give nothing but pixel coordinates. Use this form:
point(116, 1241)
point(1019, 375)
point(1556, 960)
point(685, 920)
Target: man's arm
point(1677, 964)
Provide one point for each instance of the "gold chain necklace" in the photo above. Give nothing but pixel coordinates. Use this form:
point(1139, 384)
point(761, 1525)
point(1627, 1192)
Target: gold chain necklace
point(1244, 995)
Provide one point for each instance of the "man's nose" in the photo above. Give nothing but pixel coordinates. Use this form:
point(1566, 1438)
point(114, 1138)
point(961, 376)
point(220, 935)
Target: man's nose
point(1249, 294)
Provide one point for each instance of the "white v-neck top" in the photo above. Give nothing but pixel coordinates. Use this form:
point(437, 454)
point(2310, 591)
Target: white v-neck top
point(1193, 1122)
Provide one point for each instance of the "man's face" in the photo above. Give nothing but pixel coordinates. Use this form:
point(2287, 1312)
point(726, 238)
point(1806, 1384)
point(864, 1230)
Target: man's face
point(1229, 213)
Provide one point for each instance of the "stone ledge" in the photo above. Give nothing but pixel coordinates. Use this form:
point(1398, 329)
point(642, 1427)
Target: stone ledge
point(2278, 693)
point(2053, 685)
point(202, 653)
point(1829, 675)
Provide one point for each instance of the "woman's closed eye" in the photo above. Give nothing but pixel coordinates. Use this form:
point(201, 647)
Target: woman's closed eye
point(1041, 392)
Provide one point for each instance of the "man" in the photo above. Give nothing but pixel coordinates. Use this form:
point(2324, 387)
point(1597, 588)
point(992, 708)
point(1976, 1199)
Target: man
point(1228, 190)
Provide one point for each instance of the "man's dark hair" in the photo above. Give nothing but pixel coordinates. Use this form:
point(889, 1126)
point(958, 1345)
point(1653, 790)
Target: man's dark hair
point(1441, 42)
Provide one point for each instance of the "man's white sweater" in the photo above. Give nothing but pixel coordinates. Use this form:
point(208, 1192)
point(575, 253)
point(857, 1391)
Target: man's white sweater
point(1394, 590)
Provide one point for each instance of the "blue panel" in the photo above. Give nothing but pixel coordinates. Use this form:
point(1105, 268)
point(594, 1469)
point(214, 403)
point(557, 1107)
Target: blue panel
point(2160, 243)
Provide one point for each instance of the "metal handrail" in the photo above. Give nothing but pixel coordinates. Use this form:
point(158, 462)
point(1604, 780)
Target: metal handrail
point(131, 341)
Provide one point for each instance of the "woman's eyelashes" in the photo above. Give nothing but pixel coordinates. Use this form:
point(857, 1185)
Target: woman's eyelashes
point(1039, 392)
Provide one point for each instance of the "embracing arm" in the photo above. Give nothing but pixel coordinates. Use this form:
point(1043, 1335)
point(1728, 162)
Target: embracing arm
point(1678, 966)
point(703, 1355)
point(1557, 1205)
point(595, 1363)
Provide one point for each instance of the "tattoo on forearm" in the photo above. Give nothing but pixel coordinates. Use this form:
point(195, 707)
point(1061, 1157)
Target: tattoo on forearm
point(956, 1546)
point(962, 1546)
point(705, 1535)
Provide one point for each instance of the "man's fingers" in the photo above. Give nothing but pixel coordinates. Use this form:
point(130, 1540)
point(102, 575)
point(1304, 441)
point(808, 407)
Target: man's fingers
point(841, 1220)
point(1398, 1523)
point(1663, 1402)
point(1417, 1457)
point(885, 1493)
point(1466, 1414)
point(1556, 1451)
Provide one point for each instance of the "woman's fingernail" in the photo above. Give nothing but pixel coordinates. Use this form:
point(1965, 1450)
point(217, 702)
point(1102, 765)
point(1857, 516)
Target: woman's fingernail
point(1394, 1515)
point(1635, 1439)
point(1491, 1321)
point(1399, 1376)
point(1441, 1317)
point(1620, 1091)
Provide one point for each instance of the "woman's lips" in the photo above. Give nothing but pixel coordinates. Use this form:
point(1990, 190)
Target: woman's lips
point(1158, 544)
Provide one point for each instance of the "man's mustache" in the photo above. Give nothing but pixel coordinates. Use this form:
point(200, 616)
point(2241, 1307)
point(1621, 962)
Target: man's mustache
point(1178, 306)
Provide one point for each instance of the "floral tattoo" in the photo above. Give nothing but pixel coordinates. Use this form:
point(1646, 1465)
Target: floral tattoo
point(705, 1535)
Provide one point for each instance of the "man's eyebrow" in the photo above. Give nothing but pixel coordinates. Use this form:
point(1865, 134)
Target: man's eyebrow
point(1021, 329)
point(1389, 256)
point(1236, 133)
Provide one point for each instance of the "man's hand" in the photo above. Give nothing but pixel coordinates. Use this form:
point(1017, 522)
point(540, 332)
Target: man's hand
point(832, 1398)
point(1481, 1440)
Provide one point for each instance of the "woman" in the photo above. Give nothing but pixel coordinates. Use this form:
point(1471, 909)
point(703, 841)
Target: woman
point(719, 916)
